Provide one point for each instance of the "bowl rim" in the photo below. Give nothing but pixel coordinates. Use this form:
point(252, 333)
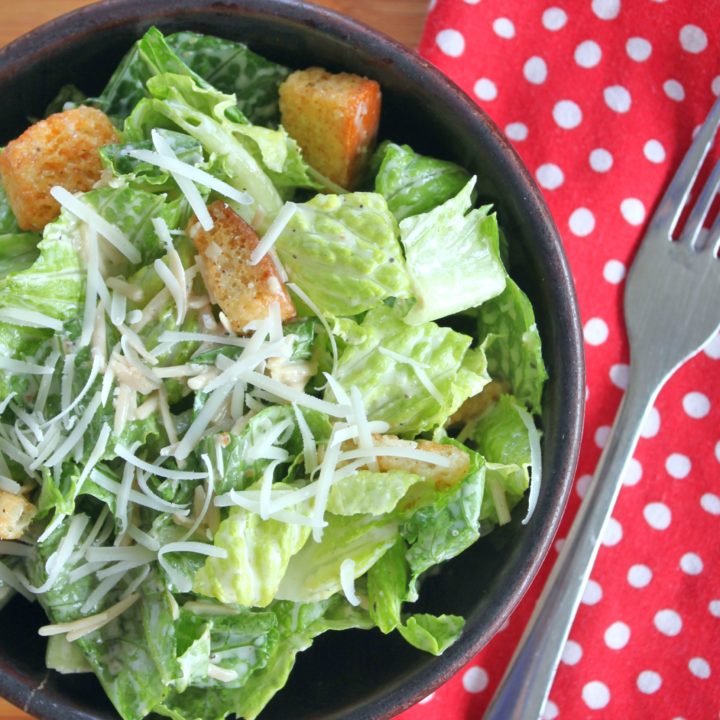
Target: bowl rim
point(45, 39)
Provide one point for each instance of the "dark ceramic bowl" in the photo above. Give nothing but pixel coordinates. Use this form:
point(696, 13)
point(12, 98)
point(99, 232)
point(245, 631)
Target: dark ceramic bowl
point(351, 674)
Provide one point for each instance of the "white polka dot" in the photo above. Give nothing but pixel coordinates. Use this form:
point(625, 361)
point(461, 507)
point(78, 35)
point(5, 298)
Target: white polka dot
point(550, 176)
point(657, 515)
point(613, 533)
point(633, 211)
point(700, 668)
point(712, 348)
point(581, 222)
point(648, 682)
point(717, 451)
point(674, 90)
point(696, 405)
point(668, 622)
point(471, 2)
point(572, 653)
point(691, 564)
point(651, 424)
point(606, 9)
point(620, 373)
point(431, 7)
point(588, 54)
point(535, 70)
point(475, 679)
point(714, 608)
point(617, 636)
point(678, 466)
point(614, 272)
point(654, 151)
point(581, 485)
point(559, 545)
point(595, 331)
point(710, 503)
point(567, 114)
point(715, 86)
point(600, 160)
point(617, 98)
point(693, 39)
point(550, 711)
point(517, 131)
point(596, 695)
point(451, 42)
point(638, 49)
point(504, 626)
point(504, 28)
point(593, 593)
point(427, 699)
point(601, 435)
point(554, 18)
point(639, 576)
point(485, 89)
point(633, 473)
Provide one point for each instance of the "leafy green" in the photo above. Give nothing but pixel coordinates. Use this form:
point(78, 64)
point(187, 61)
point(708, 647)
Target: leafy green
point(314, 572)
point(443, 529)
point(369, 493)
point(392, 390)
point(233, 69)
point(387, 584)
point(65, 657)
point(431, 633)
point(18, 251)
point(413, 183)
point(8, 223)
point(258, 553)
point(512, 344)
point(453, 257)
point(343, 252)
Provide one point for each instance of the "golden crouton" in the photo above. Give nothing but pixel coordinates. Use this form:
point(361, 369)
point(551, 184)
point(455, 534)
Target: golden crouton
point(334, 118)
point(476, 406)
point(60, 150)
point(443, 477)
point(16, 513)
point(243, 291)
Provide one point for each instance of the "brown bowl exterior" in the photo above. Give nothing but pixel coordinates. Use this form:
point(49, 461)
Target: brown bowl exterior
point(359, 675)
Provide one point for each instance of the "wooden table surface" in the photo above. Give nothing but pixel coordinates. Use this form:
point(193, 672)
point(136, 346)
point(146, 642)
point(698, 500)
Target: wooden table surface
point(401, 19)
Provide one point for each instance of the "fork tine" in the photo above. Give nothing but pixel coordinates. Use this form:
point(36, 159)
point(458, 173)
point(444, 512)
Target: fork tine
point(675, 197)
point(694, 224)
point(713, 238)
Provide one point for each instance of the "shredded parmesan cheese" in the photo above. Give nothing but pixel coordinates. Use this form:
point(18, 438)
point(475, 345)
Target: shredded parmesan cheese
point(347, 581)
point(29, 318)
point(273, 232)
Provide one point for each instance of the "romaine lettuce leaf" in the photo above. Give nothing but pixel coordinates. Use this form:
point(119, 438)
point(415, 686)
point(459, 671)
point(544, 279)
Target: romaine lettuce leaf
point(452, 257)
point(413, 183)
point(258, 554)
point(234, 69)
point(432, 633)
point(8, 223)
point(18, 251)
point(387, 584)
point(370, 493)
point(502, 438)
point(392, 390)
point(343, 252)
point(512, 344)
point(65, 657)
point(443, 529)
point(314, 573)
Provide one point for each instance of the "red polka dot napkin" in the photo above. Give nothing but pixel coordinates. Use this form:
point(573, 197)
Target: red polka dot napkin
point(600, 98)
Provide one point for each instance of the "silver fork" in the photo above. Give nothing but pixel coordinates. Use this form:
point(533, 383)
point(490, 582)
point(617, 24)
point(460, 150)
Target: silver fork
point(671, 311)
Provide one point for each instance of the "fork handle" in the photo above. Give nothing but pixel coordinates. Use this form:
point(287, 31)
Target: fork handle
point(524, 688)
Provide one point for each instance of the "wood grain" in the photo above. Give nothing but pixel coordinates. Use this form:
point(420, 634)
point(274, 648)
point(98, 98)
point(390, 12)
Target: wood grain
point(401, 19)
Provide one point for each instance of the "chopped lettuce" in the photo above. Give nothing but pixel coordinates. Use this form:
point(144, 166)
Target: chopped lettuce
point(413, 183)
point(8, 223)
point(342, 250)
point(387, 584)
point(18, 251)
point(432, 633)
point(314, 572)
point(370, 493)
point(258, 553)
point(453, 257)
point(393, 390)
point(512, 344)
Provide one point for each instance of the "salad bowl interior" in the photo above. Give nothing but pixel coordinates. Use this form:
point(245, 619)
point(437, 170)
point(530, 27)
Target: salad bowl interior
point(352, 674)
